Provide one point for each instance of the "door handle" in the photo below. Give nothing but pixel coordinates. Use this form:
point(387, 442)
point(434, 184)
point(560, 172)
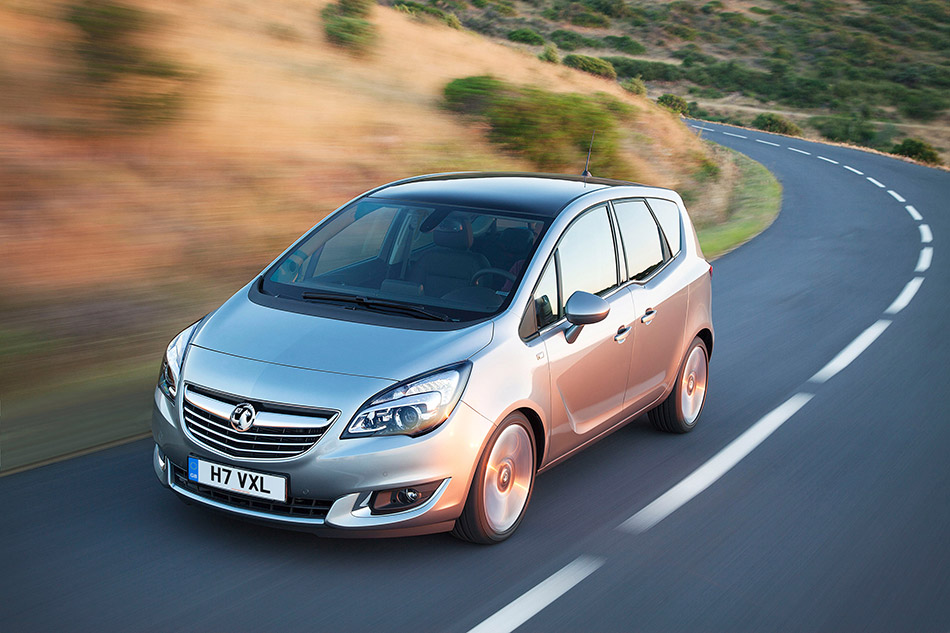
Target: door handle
point(648, 316)
point(622, 332)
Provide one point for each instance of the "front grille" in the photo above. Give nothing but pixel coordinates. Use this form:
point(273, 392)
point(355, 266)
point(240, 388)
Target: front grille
point(295, 507)
point(280, 431)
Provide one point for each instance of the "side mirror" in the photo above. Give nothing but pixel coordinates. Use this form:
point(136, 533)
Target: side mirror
point(582, 309)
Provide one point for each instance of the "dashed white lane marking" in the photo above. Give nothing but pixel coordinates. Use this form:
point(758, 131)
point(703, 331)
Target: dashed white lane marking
point(708, 129)
point(875, 182)
point(529, 604)
point(852, 351)
point(896, 195)
point(721, 463)
point(736, 135)
point(923, 262)
point(905, 296)
point(758, 140)
point(800, 151)
point(828, 160)
point(860, 173)
point(925, 235)
point(913, 212)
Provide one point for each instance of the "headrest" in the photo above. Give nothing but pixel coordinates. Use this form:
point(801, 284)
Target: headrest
point(453, 233)
point(517, 241)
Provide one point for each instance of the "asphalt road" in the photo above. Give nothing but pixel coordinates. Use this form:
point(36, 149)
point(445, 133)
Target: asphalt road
point(839, 520)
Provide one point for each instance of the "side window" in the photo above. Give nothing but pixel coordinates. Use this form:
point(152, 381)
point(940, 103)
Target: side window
point(640, 236)
point(587, 258)
point(668, 214)
point(545, 297)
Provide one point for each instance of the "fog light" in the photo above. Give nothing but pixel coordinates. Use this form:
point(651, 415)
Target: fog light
point(399, 499)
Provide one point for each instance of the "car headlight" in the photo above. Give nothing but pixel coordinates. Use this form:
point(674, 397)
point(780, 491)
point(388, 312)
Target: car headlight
point(413, 407)
point(171, 363)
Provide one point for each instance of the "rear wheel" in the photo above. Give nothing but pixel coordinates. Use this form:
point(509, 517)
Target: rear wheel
point(502, 485)
point(681, 409)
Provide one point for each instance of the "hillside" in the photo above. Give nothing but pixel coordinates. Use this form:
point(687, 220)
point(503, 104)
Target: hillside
point(154, 155)
point(869, 72)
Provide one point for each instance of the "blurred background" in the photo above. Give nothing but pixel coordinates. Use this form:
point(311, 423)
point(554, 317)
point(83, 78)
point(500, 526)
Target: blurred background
point(156, 155)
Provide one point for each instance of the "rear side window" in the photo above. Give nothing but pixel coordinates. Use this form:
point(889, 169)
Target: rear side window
point(640, 236)
point(668, 215)
point(587, 258)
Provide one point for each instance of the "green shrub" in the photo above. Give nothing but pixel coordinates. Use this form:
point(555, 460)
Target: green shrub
point(526, 36)
point(634, 85)
point(472, 95)
point(356, 8)
point(917, 149)
point(613, 8)
point(693, 110)
point(571, 41)
point(355, 34)
point(649, 71)
point(422, 11)
point(770, 122)
point(105, 44)
point(674, 103)
point(580, 15)
point(592, 65)
point(844, 129)
point(550, 129)
point(549, 54)
point(624, 44)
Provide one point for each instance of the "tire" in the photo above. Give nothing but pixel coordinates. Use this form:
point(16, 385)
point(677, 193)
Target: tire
point(502, 485)
point(681, 409)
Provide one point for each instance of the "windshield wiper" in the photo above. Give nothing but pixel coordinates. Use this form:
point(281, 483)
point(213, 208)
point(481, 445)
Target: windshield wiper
point(372, 303)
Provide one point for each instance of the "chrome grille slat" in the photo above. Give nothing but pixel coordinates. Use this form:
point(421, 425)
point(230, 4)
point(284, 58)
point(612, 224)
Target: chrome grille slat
point(202, 411)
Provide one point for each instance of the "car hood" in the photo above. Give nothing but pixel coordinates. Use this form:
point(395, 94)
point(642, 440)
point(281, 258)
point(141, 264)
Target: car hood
point(245, 329)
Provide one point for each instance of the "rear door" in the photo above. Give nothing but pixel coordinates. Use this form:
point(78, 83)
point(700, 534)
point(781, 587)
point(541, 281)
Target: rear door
point(659, 298)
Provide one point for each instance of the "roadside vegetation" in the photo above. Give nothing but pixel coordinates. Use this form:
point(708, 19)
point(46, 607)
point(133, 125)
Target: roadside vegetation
point(113, 236)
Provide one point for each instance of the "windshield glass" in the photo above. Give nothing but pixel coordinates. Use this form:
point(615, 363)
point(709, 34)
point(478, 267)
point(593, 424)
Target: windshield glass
point(458, 264)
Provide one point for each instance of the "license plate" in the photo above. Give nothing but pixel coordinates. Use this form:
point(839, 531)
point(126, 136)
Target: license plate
point(246, 482)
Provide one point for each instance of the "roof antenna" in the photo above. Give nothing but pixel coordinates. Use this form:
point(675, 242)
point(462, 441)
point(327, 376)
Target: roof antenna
point(587, 173)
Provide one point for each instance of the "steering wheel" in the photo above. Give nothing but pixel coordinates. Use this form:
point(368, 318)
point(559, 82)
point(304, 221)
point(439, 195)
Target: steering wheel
point(493, 271)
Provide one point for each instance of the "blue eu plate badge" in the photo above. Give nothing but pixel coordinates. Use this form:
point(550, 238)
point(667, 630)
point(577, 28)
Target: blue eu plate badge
point(193, 468)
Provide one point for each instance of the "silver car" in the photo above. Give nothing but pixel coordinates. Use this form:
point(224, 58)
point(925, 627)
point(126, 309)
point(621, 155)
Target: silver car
point(410, 364)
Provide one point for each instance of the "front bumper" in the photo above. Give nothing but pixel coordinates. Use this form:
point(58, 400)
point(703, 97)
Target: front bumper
point(342, 473)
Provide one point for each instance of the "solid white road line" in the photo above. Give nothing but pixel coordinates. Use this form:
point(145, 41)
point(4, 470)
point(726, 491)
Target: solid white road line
point(852, 351)
point(896, 195)
point(711, 471)
point(879, 184)
point(926, 256)
point(800, 151)
point(736, 135)
point(758, 140)
point(905, 296)
point(828, 160)
point(925, 235)
point(913, 212)
point(529, 604)
point(860, 173)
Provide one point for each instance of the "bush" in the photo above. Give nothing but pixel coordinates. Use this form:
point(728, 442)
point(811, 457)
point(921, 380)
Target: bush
point(422, 11)
point(356, 8)
point(918, 150)
point(649, 71)
point(844, 129)
point(355, 34)
point(550, 129)
point(776, 123)
point(624, 44)
point(105, 44)
point(592, 65)
point(571, 41)
point(634, 85)
point(580, 15)
point(672, 102)
point(549, 54)
point(526, 36)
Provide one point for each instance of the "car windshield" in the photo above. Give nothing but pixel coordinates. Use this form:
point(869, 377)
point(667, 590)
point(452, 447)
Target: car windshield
point(423, 261)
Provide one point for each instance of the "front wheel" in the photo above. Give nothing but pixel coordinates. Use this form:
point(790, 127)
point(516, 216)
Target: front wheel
point(502, 485)
point(679, 412)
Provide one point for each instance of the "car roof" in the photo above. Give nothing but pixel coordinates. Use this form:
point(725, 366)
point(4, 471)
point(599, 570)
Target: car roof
point(535, 194)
